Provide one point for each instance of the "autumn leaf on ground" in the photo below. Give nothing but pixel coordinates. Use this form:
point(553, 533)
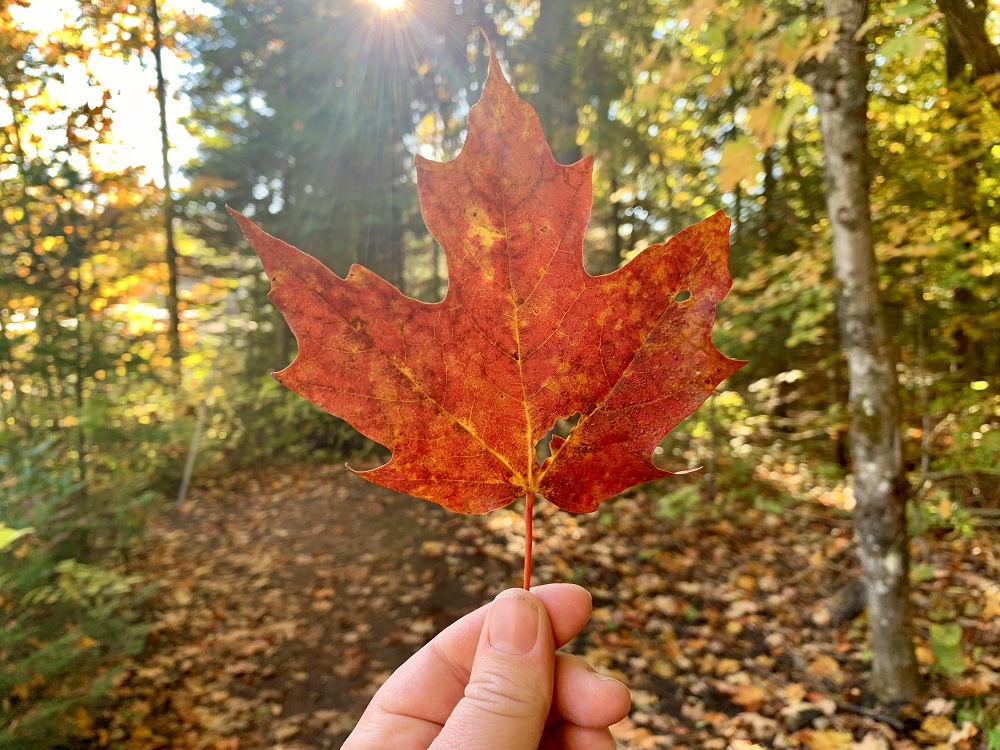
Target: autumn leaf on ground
point(462, 391)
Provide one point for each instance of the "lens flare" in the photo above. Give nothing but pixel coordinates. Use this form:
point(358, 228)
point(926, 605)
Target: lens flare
point(388, 5)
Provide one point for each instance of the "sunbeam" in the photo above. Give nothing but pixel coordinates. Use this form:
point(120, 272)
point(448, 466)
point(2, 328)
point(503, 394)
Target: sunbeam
point(389, 5)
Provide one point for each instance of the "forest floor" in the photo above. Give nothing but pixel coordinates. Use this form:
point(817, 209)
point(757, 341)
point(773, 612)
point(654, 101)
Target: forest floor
point(286, 598)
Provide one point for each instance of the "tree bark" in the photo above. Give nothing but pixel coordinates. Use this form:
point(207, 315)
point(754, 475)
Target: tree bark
point(880, 487)
point(173, 306)
point(967, 27)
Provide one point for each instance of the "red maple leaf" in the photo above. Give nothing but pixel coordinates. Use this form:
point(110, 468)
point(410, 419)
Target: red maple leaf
point(461, 391)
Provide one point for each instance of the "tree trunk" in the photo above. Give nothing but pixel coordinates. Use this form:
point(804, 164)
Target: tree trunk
point(614, 254)
point(771, 239)
point(173, 306)
point(710, 486)
point(737, 235)
point(795, 167)
point(80, 371)
point(880, 487)
point(967, 28)
point(555, 103)
point(968, 154)
point(16, 138)
point(924, 392)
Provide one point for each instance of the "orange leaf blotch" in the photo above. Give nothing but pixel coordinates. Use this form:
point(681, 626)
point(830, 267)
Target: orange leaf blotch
point(462, 391)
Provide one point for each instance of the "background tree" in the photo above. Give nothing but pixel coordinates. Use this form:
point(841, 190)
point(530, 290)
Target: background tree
point(880, 487)
point(173, 305)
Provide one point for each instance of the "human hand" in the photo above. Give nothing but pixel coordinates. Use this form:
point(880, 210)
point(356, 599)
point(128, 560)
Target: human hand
point(493, 681)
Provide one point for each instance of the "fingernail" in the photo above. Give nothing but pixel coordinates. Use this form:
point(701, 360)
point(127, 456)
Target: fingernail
point(607, 678)
point(512, 625)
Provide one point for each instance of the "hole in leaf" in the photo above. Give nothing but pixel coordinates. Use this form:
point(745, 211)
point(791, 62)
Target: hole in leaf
point(682, 296)
point(562, 428)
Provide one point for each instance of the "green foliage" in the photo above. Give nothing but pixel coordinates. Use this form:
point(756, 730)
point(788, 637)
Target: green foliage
point(260, 420)
point(946, 645)
point(8, 535)
point(680, 503)
point(984, 712)
point(87, 586)
point(972, 422)
point(938, 513)
point(70, 613)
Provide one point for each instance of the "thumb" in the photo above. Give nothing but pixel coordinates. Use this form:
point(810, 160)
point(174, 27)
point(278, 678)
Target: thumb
point(510, 689)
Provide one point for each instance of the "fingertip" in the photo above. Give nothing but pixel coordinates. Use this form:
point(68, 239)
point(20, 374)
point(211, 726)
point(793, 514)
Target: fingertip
point(618, 697)
point(569, 607)
point(562, 589)
point(588, 698)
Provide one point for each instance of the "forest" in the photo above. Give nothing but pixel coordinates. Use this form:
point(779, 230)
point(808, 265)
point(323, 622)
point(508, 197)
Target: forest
point(186, 562)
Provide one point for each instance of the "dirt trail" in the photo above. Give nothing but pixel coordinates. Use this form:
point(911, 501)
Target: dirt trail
point(285, 602)
point(288, 596)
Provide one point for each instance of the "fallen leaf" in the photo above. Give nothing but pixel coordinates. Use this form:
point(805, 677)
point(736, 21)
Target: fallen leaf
point(827, 739)
point(727, 666)
point(939, 727)
point(741, 608)
point(871, 741)
point(939, 707)
point(821, 616)
point(643, 700)
point(825, 666)
point(991, 605)
point(285, 730)
point(761, 726)
point(966, 732)
point(925, 657)
point(794, 692)
point(637, 737)
point(749, 697)
point(663, 669)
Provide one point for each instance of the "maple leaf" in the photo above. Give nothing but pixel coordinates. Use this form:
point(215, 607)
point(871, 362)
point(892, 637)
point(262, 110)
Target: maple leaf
point(461, 391)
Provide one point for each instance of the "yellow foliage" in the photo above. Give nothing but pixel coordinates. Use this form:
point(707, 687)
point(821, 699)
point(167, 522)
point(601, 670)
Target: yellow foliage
point(738, 163)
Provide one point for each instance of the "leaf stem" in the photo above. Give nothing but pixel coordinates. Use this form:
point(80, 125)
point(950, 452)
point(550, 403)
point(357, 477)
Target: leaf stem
point(529, 508)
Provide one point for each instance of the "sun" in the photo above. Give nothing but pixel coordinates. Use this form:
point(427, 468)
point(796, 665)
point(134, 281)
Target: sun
point(388, 5)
